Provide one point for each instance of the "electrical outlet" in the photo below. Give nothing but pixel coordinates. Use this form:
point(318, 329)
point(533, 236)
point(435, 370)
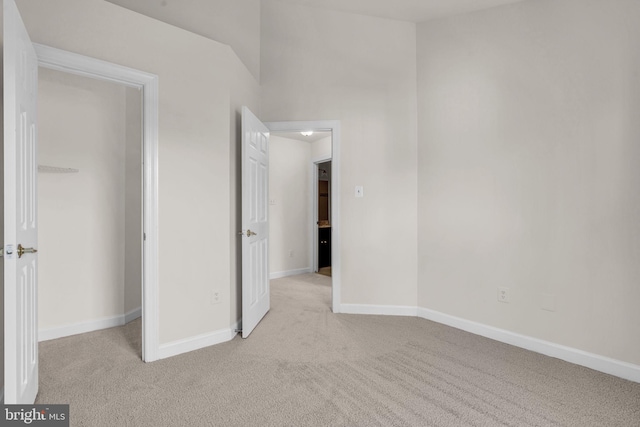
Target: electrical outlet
point(503, 294)
point(215, 297)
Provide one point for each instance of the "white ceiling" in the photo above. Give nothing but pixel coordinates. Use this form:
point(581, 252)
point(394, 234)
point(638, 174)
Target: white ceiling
point(404, 10)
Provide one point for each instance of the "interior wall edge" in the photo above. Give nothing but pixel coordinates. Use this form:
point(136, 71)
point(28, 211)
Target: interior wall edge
point(197, 342)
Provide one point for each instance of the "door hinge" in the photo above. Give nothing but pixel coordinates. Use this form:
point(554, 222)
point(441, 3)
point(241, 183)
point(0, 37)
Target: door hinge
point(1, 252)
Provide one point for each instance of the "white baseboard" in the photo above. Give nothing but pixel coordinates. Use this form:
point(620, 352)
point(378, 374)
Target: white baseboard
point(195, 343)
point(604, 364)
point(387, 310)
point(280, 274)
point(132, 315)
point(88, 326)
point(237, 326)
point(593, 361)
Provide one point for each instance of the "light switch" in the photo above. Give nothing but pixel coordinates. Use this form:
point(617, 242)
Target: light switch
point(359, 191)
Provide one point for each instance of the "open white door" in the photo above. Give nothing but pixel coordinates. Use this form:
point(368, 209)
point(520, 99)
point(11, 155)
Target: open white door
point(255, 224)
point(20, 215)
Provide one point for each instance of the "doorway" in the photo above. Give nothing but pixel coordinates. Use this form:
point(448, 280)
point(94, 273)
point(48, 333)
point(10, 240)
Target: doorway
point(89, 196)
point(330, 151)
point(323, 212)
point(299, 233)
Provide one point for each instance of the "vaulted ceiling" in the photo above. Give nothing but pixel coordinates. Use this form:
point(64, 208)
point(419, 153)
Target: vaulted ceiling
point(237, 22)
point(404, 10)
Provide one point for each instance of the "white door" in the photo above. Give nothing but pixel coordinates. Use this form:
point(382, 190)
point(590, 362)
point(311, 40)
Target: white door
point(20, 216)
point(255, 221)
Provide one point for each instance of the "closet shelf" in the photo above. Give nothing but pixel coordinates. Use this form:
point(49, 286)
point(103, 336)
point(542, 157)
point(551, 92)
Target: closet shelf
point(54, 169)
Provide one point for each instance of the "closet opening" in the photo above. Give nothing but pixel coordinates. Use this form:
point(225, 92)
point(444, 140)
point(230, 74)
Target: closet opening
point(90, 206)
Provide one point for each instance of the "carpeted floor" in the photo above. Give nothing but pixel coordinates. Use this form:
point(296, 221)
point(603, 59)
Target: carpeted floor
point(325, 271)
point(305, 366)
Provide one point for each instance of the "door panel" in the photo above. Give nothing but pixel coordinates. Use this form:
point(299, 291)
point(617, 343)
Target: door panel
point(255, 221)
point(20, 210)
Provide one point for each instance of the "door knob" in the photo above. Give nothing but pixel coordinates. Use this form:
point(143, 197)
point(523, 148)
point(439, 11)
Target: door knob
point(22, 250)
point(249, 233)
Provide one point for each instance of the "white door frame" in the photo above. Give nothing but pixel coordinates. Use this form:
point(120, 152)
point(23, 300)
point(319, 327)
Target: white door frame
point(94, 68)
point(334, 127)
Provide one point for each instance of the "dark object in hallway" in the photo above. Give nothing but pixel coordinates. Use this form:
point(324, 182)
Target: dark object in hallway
point(324, 247)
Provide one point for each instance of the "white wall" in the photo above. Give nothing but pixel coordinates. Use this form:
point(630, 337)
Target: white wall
point(234, 23)
point(289, 202)
point(81, 236)
point(244, 91)
point(321, 149)
point(201, 84)
point(528, 170)
point(323, 65)
point(133, 201)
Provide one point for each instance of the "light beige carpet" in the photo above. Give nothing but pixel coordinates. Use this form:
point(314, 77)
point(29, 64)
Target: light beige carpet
point(305, 366)
point(325, 271)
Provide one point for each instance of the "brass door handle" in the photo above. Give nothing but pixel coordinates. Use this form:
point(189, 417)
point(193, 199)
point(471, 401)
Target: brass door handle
point(22, 250)
point(249, 233)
